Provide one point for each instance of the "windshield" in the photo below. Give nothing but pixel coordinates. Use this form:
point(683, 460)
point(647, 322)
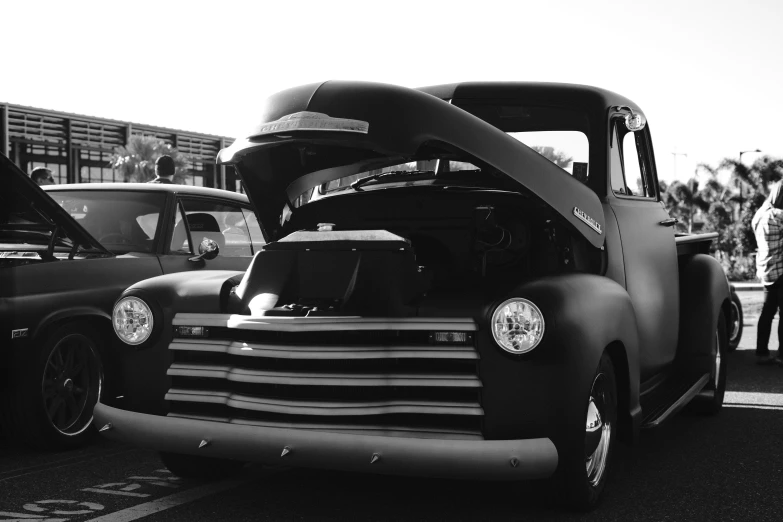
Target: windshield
point(567, 149)
point(122, 221)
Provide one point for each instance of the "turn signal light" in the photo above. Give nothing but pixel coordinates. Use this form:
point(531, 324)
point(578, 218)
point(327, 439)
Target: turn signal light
point(450, 337)
point(192, 331)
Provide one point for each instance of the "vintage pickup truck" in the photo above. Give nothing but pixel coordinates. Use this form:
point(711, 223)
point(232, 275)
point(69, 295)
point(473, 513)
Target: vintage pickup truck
point(475, 280)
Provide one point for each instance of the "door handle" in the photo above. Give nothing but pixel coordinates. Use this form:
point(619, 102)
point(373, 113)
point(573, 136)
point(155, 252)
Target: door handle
point(668, 222)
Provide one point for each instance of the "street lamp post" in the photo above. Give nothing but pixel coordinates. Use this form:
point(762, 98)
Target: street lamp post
point(675, 154)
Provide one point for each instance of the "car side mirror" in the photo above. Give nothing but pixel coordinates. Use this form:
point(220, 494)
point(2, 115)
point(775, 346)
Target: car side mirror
point(207, 249)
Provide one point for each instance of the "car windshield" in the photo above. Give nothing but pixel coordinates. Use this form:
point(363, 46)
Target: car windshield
point(122, 221)
point(567, 149)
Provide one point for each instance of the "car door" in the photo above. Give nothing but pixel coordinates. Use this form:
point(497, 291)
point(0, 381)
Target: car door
point(223, 221)
point(649, 250)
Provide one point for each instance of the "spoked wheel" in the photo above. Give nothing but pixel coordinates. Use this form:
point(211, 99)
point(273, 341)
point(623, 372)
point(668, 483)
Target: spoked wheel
point(55, 387)
point(71, 383)
point(586, 459)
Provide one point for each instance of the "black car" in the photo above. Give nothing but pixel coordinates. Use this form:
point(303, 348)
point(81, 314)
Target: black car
point(65, 256)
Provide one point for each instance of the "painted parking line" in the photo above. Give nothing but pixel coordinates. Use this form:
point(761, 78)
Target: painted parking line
point(757, 400)
point(164, 503)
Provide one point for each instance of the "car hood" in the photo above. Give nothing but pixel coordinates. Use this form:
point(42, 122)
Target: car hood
point(30, 199)
point(392, 122)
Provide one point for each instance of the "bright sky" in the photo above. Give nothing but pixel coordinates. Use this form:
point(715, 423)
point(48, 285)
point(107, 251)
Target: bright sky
point(707, 74)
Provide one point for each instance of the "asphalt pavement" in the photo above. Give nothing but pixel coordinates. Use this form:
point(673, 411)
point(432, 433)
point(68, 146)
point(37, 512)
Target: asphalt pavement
point(721, 468)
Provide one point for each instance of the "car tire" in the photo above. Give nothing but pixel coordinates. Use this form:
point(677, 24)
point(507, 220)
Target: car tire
point(199, 468)
point(735, 323)
point(710, 400)
point(55, 387)
point(585, 461)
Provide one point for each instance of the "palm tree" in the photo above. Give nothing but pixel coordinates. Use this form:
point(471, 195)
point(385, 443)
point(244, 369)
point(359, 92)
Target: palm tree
point(136, 160)
point(685, 200)
point(756, 178)
point(558, 157)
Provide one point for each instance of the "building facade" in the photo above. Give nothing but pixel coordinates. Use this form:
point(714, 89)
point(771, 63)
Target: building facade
point(77, 148)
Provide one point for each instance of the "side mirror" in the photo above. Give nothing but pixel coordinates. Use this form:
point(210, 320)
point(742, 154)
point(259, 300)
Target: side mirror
point(207, 249)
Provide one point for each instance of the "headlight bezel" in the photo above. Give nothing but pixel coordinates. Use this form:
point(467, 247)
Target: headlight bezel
point(536, 310)
point(154, 321)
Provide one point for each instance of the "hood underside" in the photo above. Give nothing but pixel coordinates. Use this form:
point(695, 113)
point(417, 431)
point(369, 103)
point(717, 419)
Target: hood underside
point(30, 218)
point(388, 124)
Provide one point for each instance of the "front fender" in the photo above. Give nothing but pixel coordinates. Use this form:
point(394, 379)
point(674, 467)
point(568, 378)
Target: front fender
point(76, 312)
point(584, 315)
point(144, 368)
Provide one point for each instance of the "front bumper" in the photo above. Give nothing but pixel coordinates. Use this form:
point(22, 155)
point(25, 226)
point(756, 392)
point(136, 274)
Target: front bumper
point(468, 459)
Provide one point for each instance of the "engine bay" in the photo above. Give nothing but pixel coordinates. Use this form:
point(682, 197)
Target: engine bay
point(380, 253)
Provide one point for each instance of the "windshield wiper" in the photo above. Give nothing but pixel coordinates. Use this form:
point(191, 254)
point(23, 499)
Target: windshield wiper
point(361, 181)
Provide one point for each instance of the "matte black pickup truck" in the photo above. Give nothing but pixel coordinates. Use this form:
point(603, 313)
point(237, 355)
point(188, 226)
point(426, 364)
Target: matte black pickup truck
point(475, 280)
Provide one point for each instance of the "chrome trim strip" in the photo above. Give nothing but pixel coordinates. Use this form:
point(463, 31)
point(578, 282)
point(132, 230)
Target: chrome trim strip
point(325, 352)
point(234, 374)
point(356, 429)
point(320, 324)
point(326, 408)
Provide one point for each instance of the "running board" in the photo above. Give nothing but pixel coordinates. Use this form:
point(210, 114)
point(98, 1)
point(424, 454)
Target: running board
point(682, 396)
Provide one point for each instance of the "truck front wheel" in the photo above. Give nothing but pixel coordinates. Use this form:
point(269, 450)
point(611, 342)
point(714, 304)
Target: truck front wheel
point(201, 468)
point(586, 458)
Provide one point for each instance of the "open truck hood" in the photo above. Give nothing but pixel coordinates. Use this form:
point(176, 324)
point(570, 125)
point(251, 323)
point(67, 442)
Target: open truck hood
point(391, 122)
point(30, 214)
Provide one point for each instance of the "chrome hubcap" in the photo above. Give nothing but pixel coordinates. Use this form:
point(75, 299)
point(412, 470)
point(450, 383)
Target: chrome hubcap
point(717, 359)
point(734, 321)
point(598, 433)
point(71, 384)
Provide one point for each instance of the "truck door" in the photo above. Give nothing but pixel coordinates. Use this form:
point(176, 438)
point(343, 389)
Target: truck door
point(649, 250)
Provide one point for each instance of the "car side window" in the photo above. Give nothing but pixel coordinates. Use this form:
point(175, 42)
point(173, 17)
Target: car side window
point(257, 237)
point(180, 240)
point(629, 172)
point(224, 223)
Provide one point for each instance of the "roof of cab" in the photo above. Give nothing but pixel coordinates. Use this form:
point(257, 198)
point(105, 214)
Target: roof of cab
point(566, 94)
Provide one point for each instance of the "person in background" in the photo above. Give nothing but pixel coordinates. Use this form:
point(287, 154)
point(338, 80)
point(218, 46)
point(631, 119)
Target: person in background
point(164, 170)
point(42, 176)
point(767, 226)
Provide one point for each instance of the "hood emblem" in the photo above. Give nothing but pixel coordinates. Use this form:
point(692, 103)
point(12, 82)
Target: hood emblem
point(312, 121)
point(590, 222)
point(16, 334)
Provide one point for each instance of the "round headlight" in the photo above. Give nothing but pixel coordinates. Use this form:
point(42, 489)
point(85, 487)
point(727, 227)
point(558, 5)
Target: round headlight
point(132, 320)
point(517, 325)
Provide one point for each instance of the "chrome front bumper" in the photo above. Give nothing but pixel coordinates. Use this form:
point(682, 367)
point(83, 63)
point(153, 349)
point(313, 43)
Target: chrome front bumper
point(468, 459)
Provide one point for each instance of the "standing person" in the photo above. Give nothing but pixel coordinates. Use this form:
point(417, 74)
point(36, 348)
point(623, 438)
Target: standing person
point(164, 170)
point(767, 225)
point(42, 176)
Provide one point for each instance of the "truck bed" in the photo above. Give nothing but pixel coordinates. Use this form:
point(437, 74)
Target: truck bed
point(689, 244)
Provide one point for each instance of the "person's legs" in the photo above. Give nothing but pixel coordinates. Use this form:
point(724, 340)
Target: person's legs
point(777, 288)
point(771, 305)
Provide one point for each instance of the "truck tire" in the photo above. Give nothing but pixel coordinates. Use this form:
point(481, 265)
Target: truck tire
point(736, 322)
point(55, 387)
point(200, 468)
point(710, 400)
point(586, 458)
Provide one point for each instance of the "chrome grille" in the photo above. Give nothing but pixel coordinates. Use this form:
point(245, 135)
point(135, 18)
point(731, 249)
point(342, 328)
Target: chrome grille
point(348, 375)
